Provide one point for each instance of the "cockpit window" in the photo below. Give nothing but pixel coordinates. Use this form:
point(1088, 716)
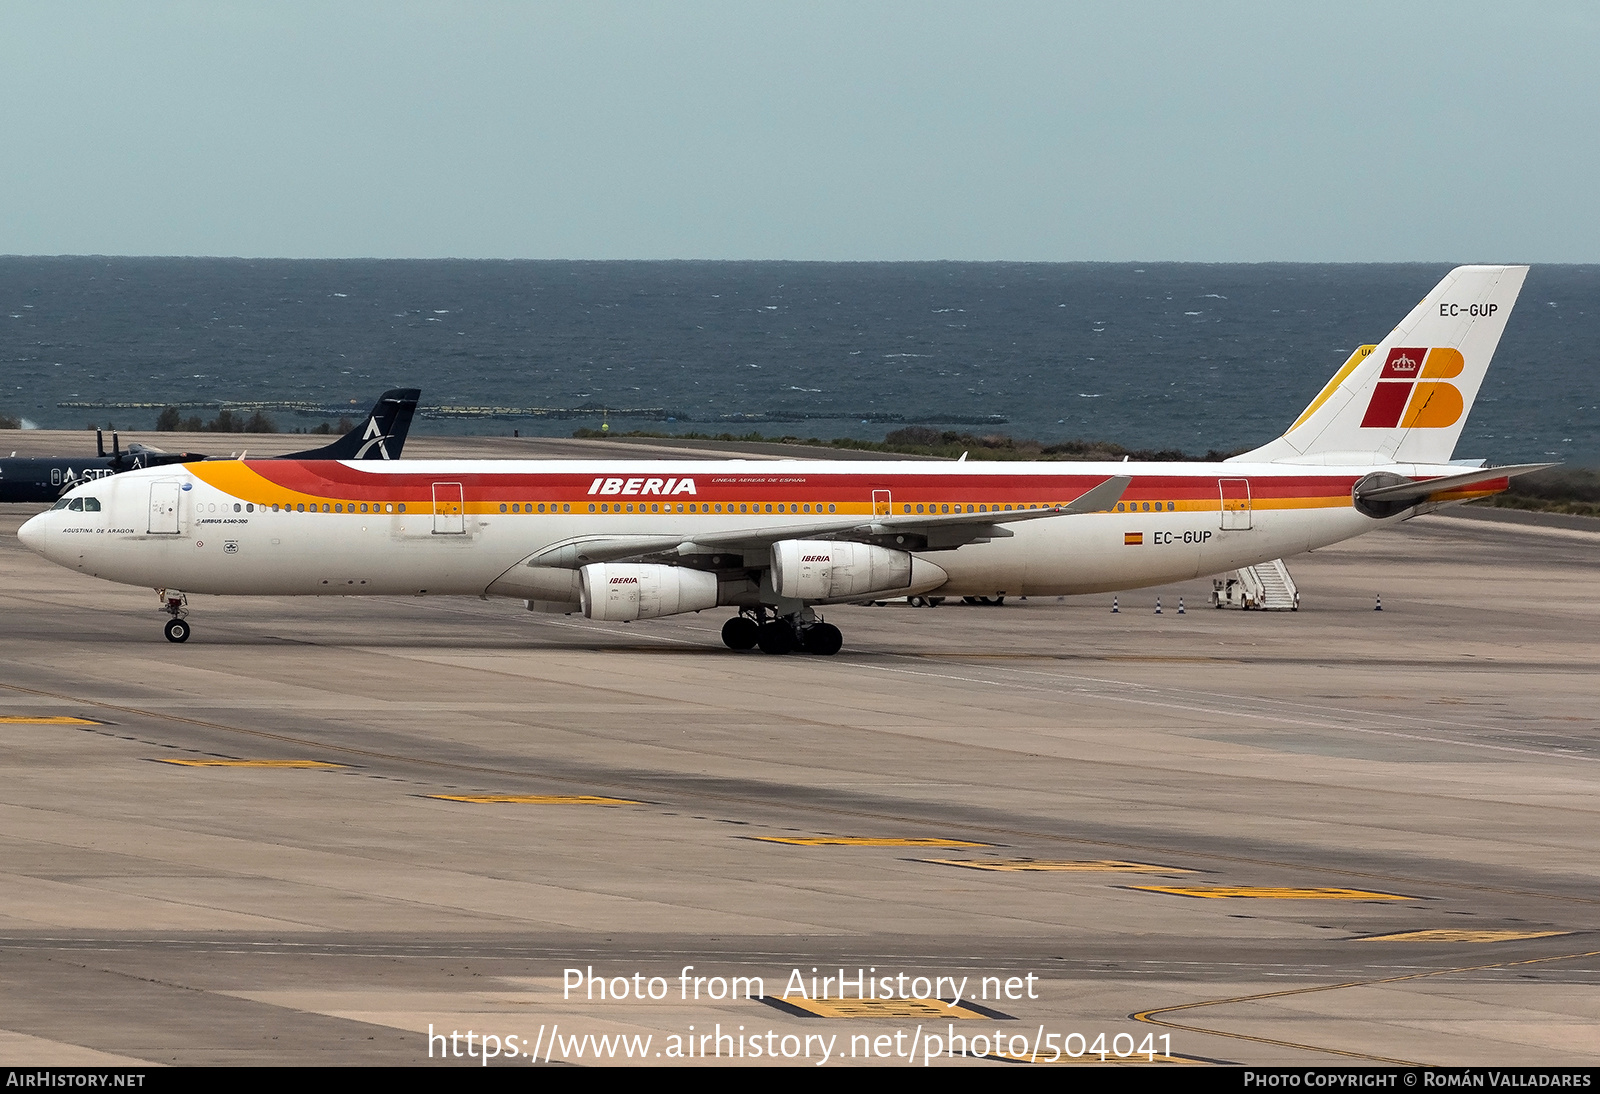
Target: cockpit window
point(77, 505)
point(91, 505)
point(62, 504)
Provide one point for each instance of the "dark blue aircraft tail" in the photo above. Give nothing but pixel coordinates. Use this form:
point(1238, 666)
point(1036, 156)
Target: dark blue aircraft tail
point(380, 437)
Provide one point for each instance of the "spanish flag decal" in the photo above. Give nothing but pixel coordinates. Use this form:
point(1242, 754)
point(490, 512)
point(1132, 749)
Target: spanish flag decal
point(1133, 539)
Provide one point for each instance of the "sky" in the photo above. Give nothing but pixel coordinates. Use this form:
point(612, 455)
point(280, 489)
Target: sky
point(1215, 132)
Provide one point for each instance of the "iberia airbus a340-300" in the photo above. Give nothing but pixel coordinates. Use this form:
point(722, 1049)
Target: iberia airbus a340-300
point(776, 541)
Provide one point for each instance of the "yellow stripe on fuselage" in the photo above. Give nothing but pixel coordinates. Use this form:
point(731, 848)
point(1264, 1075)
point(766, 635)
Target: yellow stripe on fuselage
point(240, 481)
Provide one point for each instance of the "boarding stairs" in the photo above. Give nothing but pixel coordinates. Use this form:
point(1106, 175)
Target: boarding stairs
point(1266, 587)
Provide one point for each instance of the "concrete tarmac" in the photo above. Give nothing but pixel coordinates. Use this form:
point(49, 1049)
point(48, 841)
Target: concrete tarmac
point(1329, 837)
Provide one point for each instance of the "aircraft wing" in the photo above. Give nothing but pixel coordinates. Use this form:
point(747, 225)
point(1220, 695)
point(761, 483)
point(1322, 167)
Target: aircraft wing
point(919, 532)
point(145, 455)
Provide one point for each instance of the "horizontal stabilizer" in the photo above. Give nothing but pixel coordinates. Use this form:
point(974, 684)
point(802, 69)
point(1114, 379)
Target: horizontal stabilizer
point(1423, 489)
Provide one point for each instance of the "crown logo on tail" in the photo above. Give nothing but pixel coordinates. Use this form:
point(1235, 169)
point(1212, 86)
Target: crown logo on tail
point(1412, 392)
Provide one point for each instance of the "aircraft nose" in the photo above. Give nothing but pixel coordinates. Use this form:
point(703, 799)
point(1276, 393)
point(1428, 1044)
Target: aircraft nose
point(32, 534)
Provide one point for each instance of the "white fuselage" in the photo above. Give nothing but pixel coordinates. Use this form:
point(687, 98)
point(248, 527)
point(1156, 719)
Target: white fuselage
point(459, 527)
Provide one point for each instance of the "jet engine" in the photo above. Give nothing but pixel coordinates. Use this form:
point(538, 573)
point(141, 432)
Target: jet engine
point(617, 592)
point(828, 569)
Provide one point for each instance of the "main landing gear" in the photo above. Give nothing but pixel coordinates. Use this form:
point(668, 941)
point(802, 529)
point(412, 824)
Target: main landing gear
point(176, 605)
point(801, 632)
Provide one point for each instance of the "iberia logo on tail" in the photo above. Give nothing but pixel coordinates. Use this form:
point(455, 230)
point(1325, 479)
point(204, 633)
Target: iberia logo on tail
point(1412, 390)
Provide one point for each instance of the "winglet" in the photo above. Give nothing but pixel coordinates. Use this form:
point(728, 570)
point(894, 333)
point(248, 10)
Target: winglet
point(1101, 498)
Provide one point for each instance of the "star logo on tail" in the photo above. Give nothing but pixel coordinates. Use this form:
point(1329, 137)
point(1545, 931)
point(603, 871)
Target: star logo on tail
point(373, 435)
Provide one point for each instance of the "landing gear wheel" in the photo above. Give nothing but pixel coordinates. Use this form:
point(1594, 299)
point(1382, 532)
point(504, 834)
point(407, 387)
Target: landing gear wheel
point(775, 637)
point(823, 639)
point(739, 633)
point(177, 630)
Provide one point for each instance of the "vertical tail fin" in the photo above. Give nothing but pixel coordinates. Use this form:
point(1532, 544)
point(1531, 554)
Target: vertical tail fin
point(1406, 399)
point(381, 436)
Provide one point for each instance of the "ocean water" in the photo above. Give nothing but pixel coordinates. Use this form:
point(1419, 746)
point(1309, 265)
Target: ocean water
point(1187, 356)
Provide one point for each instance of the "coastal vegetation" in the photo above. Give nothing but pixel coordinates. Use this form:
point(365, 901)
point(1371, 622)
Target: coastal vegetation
point(226, 421)
point(1573, 490)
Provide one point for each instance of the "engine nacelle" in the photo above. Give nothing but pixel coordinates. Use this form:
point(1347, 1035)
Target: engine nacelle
point(616, 592)
point(828, 569)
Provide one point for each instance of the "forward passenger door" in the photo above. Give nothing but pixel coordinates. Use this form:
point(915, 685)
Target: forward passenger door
point(165, 497)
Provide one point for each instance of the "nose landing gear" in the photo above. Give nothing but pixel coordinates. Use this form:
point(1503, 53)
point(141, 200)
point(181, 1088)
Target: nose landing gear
point(175, 604)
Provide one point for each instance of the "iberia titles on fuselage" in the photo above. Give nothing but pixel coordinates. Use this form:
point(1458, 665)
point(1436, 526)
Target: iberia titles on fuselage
point(636, 540)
